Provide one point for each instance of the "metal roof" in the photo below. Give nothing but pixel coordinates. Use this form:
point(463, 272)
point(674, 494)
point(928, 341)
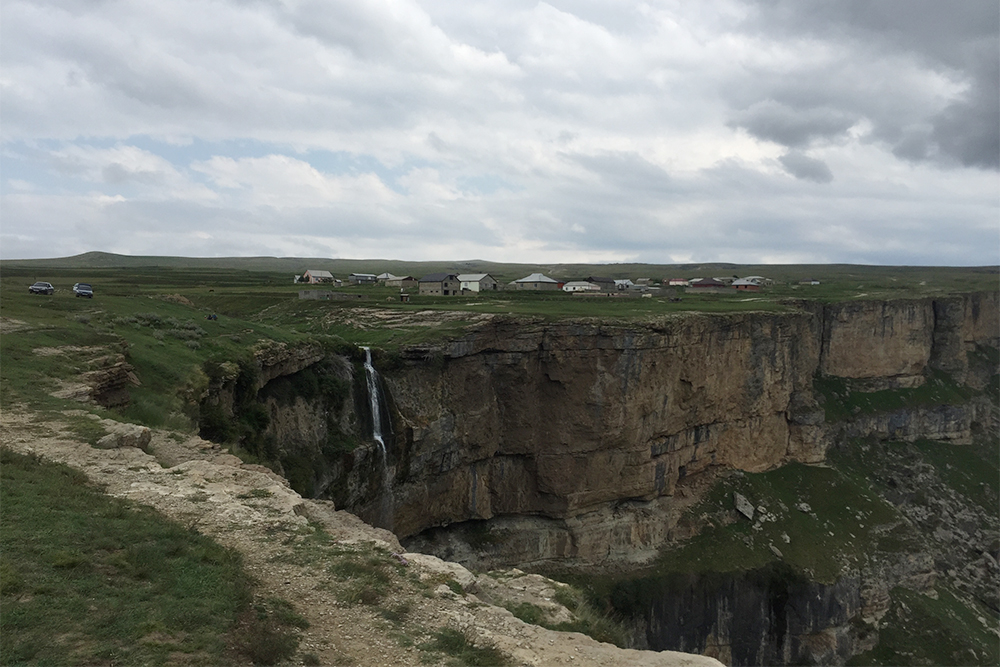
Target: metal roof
point(536, 278)
point(438, 277)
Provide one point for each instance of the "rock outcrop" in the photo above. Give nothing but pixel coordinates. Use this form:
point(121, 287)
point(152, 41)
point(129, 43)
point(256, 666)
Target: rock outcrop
point(574, 435)
point(537, 421)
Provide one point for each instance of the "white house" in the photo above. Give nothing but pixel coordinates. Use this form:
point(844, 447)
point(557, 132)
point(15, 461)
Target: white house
point(581, 286)
point(478, 282)
point(678, 282)
point(313, 276)
point(536, 281)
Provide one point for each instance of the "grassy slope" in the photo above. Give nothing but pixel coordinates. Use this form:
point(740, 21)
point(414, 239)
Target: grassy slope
point(89, 579)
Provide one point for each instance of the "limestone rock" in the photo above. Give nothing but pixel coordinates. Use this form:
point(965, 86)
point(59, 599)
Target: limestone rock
point(124, 435)
point(429, 567)
point(743, 506)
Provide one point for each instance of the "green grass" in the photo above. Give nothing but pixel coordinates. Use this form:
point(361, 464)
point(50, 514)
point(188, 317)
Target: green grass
point(920, 630)
point(369, 574)
point(837, 280)
point(86, 429)
point(841, 401)
point(970, 470)
point(844, 520)
point(463, 650)
point(87, 579)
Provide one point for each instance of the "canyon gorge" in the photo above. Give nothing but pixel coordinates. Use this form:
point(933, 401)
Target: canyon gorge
point(595, 448)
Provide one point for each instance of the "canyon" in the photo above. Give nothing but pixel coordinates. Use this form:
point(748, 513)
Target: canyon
point(585, 444)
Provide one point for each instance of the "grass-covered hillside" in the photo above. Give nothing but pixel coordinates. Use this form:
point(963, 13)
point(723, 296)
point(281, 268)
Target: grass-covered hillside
point(88, 579)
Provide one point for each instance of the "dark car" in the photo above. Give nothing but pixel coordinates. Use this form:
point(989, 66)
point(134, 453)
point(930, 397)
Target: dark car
point(42, 288)
point(83, 289)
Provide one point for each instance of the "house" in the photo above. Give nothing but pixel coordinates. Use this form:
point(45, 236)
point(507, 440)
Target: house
point(623, 283)
point(809, 281)
point(402, 282)
point(760, 280)
point(536, 281)
point(478, 282)
point(606, 284)
point(440, 284)
point(677, 282)
point(581, 286)
point(362, 278)
point(313, 276)
point(707, 286)
point(746, 285)
point(705, 283)
point(383, 277)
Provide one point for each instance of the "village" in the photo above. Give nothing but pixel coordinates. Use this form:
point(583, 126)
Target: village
point(470, 284)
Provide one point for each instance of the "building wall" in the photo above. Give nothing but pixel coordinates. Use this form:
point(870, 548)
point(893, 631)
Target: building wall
point(443, 288)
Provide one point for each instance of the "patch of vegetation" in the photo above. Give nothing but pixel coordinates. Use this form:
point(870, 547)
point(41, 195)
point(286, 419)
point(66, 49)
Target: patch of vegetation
point(835, 533)
point(921, 630)
point(369, 575)
point(604, 626)
point(397, 613)
point(841, 400)
point(527, 612)
point(463, 650)
point(970, 470)
point(255, 493)
point(86, 579)
point(87, 430)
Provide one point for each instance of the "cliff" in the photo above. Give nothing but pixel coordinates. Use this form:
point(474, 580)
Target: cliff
point(559, 421)
point(531, 442)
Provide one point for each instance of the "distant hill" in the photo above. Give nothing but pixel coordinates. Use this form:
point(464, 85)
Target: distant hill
point(984, 277)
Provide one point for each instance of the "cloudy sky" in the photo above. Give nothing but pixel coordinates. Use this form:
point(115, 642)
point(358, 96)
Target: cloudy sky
point(666, 131)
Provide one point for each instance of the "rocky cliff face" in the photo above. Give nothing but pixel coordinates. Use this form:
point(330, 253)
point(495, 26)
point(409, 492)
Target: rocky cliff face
point(529, 418)
point(574, 421)
point(575, 434)
point(528, 442)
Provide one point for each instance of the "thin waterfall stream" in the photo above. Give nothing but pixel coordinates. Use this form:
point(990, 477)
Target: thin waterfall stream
point(375, 400)
point(374, 391)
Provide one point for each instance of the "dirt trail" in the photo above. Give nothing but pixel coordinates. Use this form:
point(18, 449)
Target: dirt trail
point(251, 509)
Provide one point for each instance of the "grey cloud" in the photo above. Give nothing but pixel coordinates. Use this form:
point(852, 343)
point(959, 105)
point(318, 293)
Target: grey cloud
point(773, 121)
point(806, 168)
point(959, 41)
point(939, 30)
point(969, 130)
point(626, 172)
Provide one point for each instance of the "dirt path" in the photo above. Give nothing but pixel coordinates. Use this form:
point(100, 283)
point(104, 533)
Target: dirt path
point(298, 549)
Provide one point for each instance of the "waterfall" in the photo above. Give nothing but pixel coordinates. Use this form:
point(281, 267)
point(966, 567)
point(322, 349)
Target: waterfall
point(386, 504)
point(374, 393)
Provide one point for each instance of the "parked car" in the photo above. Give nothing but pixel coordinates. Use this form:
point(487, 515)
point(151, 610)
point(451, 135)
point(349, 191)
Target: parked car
point(83, 289)
point(42, 288)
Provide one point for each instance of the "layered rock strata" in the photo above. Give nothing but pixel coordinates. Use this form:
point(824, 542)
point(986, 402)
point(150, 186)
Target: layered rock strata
point(553, 424)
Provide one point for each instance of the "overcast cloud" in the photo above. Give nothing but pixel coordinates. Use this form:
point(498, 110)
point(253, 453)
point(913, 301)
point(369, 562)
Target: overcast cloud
point(566, 131)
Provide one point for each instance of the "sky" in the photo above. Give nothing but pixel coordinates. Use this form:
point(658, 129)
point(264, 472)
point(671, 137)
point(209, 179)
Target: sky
point(669, 131)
